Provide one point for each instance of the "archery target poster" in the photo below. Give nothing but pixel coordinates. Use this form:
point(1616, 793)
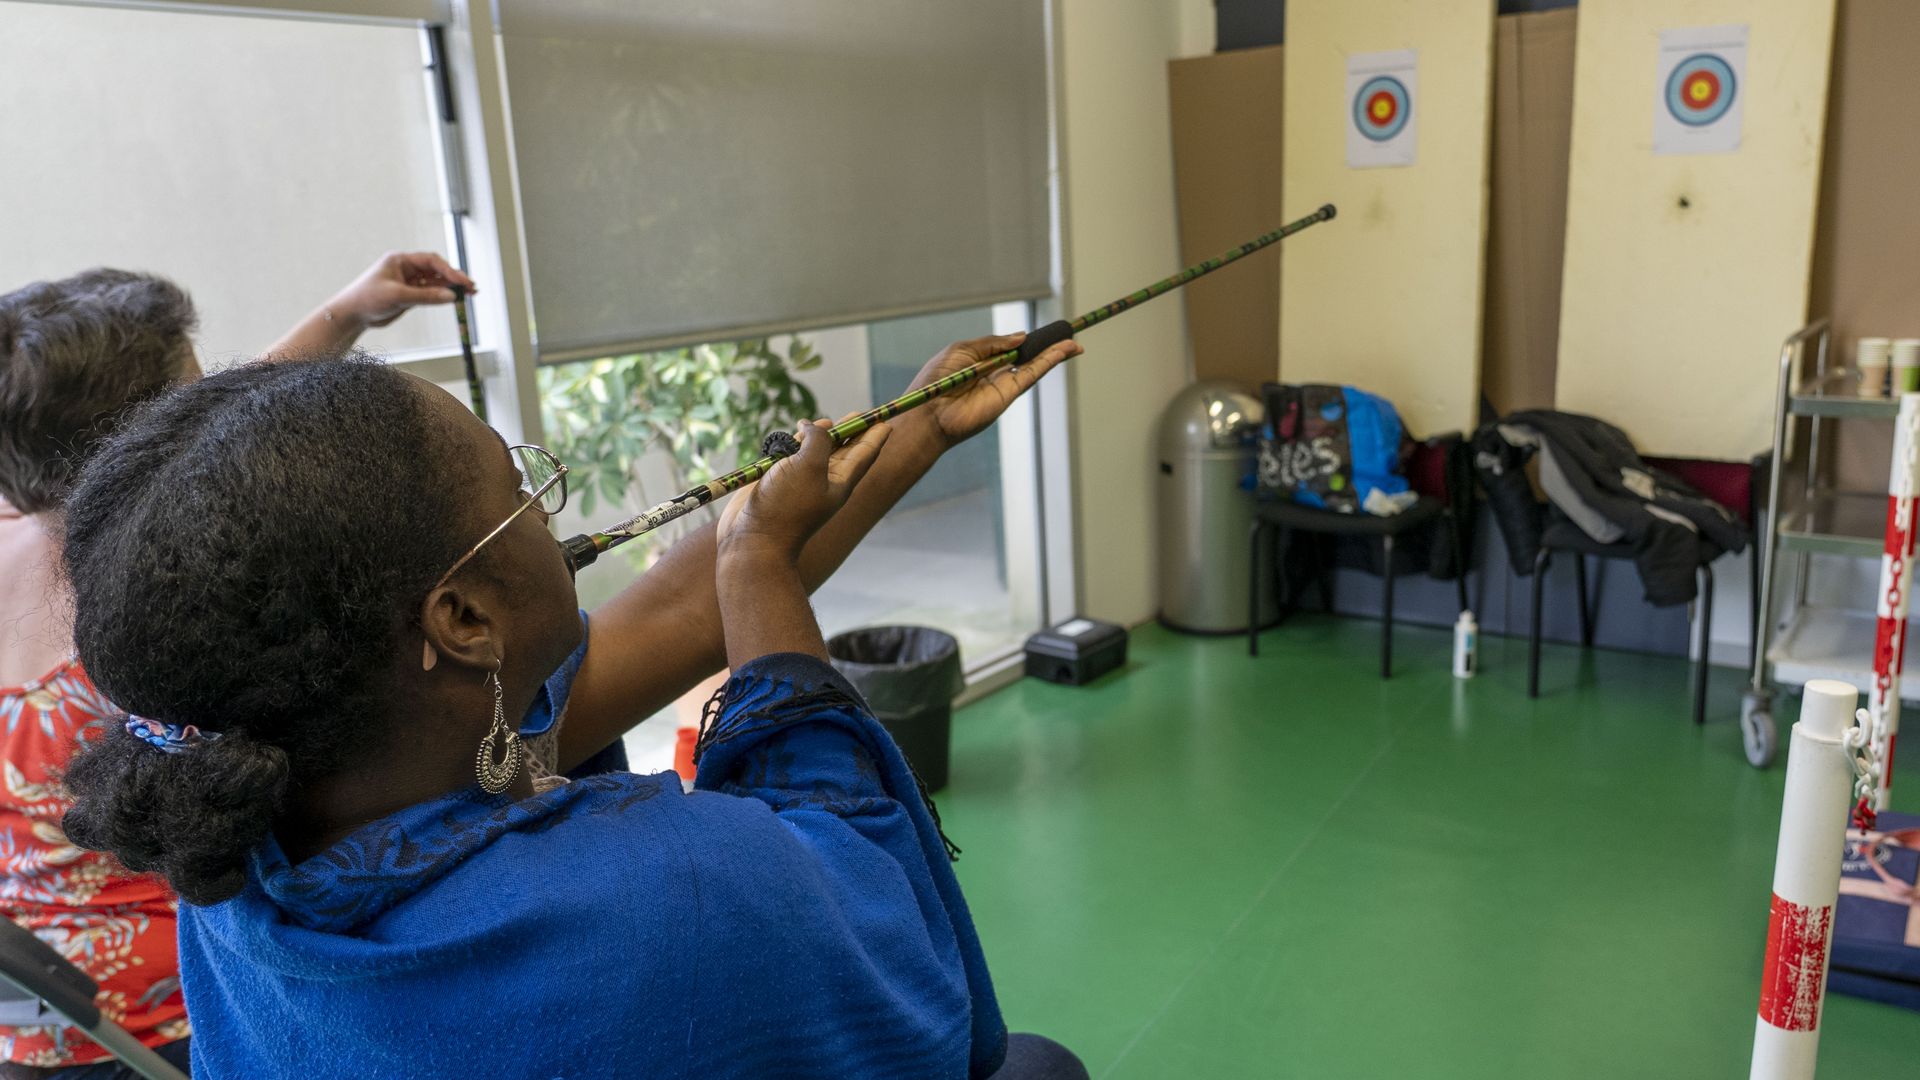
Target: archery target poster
point(1698, 100)
point(1381, 122)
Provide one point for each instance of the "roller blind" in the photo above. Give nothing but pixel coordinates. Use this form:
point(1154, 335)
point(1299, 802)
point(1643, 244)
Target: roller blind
point(699, 169)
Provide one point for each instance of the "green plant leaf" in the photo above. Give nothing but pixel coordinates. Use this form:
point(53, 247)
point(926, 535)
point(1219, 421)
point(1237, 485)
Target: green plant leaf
point(702, 405)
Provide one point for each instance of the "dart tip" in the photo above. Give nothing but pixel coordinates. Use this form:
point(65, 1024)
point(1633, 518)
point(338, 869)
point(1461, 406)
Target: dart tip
point(1327, 212)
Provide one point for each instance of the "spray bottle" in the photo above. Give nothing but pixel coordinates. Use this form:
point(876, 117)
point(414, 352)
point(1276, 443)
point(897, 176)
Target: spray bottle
point(1466, 646)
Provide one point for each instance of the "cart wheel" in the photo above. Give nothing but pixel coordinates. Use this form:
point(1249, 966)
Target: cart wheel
point(1761, 737)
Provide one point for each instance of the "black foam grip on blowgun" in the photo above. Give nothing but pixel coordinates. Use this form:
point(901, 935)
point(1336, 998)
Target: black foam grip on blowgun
point(1039, 341)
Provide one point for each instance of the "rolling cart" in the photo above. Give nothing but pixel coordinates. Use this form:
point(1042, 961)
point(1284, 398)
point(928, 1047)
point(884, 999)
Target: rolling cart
point(1796, 641)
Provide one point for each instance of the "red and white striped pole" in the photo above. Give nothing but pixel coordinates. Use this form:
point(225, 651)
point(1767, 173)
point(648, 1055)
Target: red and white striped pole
point(1806, 882)
point(1890, 604)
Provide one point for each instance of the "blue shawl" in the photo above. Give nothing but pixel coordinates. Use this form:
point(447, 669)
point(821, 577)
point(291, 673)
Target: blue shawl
point(794, 916)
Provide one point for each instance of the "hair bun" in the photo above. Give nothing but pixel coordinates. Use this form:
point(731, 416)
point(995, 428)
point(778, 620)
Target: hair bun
point(193, 818)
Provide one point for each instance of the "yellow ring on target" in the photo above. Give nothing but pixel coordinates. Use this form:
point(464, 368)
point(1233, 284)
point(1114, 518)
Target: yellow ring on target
point(1699, 89)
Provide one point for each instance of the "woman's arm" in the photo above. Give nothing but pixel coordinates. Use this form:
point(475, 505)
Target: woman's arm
point(888, 926)
point(857, 877)
point(397, 282)
point(662, 635)
point(763, 531)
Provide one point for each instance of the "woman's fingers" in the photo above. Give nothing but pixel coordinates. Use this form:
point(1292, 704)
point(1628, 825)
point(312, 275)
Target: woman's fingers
point(852, 461)
point(1056, 354)
point(993, 345)
point(422, 295)
point(426, 267)
point(816, 447)
point(1023, 377)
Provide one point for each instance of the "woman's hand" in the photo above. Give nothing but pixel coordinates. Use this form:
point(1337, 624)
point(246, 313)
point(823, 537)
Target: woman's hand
point(780, 512)
point(969, 410)
point(400, 280)
point(762, 600)
point(396, 283)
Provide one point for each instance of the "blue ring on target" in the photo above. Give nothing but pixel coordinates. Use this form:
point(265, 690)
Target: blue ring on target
point(1396, 91)
point(1700, 65)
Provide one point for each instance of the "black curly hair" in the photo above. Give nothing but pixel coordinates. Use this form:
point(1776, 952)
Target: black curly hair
point(245, 553)
point(74, 354)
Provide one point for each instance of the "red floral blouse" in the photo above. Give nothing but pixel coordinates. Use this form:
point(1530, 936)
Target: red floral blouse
point(116, 926)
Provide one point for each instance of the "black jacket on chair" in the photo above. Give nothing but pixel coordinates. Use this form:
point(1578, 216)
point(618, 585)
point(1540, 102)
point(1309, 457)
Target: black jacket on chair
point(1597, 482)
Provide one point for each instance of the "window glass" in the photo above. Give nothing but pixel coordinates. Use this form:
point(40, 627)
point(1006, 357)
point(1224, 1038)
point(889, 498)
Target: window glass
point(638, 430)
point(260, 163)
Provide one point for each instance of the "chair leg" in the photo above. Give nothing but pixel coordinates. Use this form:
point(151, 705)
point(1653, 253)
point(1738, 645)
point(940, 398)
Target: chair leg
point(1283, 577)
point(1541, 560)
point(1702, 667)
point(1460, 559)
point(1586, 612)
point(1253, 587)
point(1323, 569)
point(1386, 607)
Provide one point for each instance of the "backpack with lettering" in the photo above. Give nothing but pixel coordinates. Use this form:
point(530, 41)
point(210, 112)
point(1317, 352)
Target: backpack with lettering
point(1330, 446)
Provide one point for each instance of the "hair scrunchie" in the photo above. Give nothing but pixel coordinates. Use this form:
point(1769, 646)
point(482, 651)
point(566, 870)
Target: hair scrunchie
point(165, 737)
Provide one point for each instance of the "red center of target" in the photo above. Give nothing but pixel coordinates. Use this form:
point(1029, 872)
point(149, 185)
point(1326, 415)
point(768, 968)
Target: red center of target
point(1381, 108)
point(1701, 90)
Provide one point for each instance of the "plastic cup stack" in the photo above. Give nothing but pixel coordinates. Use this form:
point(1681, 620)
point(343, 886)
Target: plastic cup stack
point(1906, 365)
point(1871, 357)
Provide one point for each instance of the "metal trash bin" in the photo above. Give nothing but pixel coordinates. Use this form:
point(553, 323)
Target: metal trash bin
point(909, 676)
point(1207, 451)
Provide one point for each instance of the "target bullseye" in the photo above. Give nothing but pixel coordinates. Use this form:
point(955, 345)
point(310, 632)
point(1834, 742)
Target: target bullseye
point(1700, 90)
point(1380, 108)
point(1703, 89)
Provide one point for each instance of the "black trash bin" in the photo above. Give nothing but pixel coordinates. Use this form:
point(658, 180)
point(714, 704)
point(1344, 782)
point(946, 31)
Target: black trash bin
point(910, 676)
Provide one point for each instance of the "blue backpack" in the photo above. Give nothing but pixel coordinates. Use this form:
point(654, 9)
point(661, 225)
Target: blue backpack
point(1330, 446)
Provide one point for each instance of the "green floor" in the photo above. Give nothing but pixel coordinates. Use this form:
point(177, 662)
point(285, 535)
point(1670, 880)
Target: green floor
point(1211, 866)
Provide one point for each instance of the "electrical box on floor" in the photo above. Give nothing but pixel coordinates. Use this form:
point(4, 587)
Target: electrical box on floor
point(1076, 651)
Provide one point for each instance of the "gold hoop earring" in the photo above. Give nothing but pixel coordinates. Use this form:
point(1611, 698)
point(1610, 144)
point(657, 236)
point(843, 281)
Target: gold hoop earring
point(496, 777)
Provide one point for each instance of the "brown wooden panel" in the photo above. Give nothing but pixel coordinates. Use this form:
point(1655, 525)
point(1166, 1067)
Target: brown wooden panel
point(1866, 261)
point(1226, 165)
point(1527, 212)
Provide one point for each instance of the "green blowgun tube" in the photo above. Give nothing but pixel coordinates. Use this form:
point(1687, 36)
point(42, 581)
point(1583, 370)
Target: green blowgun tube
point(582, 550)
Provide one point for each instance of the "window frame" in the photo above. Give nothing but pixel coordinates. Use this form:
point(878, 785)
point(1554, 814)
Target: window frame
point(402, 12)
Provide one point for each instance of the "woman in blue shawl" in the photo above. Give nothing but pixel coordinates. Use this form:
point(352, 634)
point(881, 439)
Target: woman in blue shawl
point(328, 597)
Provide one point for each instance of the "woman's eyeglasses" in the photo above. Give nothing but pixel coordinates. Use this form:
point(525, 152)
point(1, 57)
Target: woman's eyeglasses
point(543, 486)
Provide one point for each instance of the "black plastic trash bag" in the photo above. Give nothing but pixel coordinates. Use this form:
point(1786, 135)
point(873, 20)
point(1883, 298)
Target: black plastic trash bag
point(910, 676)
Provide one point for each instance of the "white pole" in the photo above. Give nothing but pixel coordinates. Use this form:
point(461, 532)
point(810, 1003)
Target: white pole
point(1806, 882)
point(1890, 602)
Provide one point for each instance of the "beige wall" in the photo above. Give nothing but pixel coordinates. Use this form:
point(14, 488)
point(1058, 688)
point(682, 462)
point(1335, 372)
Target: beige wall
point(1227, 142)
point(1388, 297)
point(1118, 233)
point(1683, 272)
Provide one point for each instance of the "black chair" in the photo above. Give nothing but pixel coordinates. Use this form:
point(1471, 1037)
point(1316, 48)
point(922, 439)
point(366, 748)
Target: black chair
point(1439, 471)
point(39, 987)
point(1729, 483)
